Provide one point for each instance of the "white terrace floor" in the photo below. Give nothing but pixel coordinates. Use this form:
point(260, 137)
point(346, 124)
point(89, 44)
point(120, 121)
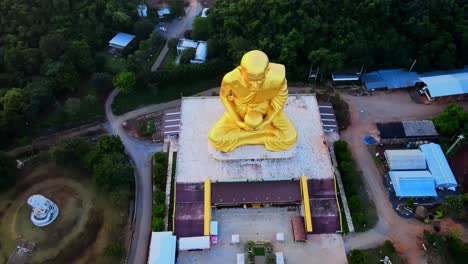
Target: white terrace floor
point(195, 162)
point(263, 224)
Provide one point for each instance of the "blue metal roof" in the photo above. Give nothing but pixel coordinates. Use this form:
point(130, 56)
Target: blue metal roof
point(121, 39)
point(448, 84)
point(413, 183)
point(438, 166)
point(391, 79)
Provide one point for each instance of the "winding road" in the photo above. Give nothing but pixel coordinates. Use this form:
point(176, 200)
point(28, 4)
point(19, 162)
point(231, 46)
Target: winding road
point(141, 152)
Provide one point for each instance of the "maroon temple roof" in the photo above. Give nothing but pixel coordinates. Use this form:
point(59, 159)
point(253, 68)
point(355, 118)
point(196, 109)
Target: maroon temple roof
point(236, 193)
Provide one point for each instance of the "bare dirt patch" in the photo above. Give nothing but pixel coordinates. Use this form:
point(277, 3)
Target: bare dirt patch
point(460, 167)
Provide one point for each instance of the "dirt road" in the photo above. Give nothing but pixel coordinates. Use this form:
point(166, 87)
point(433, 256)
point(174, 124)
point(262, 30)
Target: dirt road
point(365, 111)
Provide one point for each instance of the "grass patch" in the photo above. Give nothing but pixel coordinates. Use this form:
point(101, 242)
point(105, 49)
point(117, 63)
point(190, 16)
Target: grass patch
point(87, 223)
point(127, 102)
point(363, 212)
point(259, 251)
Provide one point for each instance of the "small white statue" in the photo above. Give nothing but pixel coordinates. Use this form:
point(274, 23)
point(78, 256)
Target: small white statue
point(44, 211)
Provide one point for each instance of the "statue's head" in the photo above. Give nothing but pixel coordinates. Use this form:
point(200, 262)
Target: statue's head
point(254, 66)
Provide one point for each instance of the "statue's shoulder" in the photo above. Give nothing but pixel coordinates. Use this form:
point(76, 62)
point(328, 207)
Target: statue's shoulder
point(277, 72)
point(232, 76)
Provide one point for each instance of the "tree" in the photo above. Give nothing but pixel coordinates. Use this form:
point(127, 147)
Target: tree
point(110, 144)
point(201, 28)
point(157, 224)
point(101, 83)
point(177, 7)
point(143, 28)
point(70, 152)
point(187, 55)
point(454, 205)
point(52, 45)
point(72, 107)
point(8, 171)
point(79, 54)
point(358, 257)
point(112, 172)
point(451, 120)
point(125, 81)
point(172, 43)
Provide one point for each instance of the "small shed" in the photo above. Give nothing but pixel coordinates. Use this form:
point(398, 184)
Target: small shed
point(194, 243)
point(121, 40)
point(200, 53)
point(405, 159)
point(164, 12)
point(413, 184)
point(162, 248)
point(438, 166)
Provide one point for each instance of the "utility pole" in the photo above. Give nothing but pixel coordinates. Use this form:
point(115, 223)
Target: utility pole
point(460, 137)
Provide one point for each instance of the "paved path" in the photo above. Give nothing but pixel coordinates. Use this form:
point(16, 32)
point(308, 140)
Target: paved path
point(140, 152)
point(178, 30)
point(365, 111)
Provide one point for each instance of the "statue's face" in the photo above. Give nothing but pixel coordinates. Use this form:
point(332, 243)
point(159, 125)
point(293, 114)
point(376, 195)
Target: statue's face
point(255, 82)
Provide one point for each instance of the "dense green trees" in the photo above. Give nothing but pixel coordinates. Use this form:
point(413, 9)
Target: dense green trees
point(8, 171)
point(187, 55)
point(452, 120)
point(106, 161)
point(125, 81)
point(47, 52)
point(343, 34)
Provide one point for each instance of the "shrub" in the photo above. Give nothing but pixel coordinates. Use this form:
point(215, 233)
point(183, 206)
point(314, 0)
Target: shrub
point(157, 224)
point(147, 128)
point(388, 248)
point(159, 210)
point(357, 257)
point(354, 203)
point(115, 250)
point(161, 158)
point(410, 203)
point(159, 197)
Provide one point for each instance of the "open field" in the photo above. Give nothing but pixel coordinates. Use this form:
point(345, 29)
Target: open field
point(86, 225)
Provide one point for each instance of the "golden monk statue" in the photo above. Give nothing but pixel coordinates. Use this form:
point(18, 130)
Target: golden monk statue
point(254, 95)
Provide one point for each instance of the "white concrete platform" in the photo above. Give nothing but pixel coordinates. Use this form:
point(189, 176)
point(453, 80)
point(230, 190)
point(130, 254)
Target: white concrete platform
point(251, 152)
point(195, 162)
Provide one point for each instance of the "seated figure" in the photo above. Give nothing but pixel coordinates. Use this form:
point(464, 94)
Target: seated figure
point(254, 95)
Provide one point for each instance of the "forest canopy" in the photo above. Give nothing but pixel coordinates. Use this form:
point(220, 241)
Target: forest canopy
point(337, 34)
point(48, 52)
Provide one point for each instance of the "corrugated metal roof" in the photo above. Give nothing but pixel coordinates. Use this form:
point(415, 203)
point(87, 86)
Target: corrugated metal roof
point(413, 183)
point(391, 79)
point(162, 248)
point(438, 166)
point(449, 84)
point(406, 159)
point(419, 128)
point(194, 243)
point(121, 39)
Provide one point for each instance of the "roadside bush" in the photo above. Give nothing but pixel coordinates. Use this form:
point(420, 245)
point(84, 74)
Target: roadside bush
point(388, 248)
point(357, 257)
point(157, 224)
point(360, 219)
point(161, 157)
point(454, 205)
point(159, 210)
point(355, 203)
point(159, 197)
